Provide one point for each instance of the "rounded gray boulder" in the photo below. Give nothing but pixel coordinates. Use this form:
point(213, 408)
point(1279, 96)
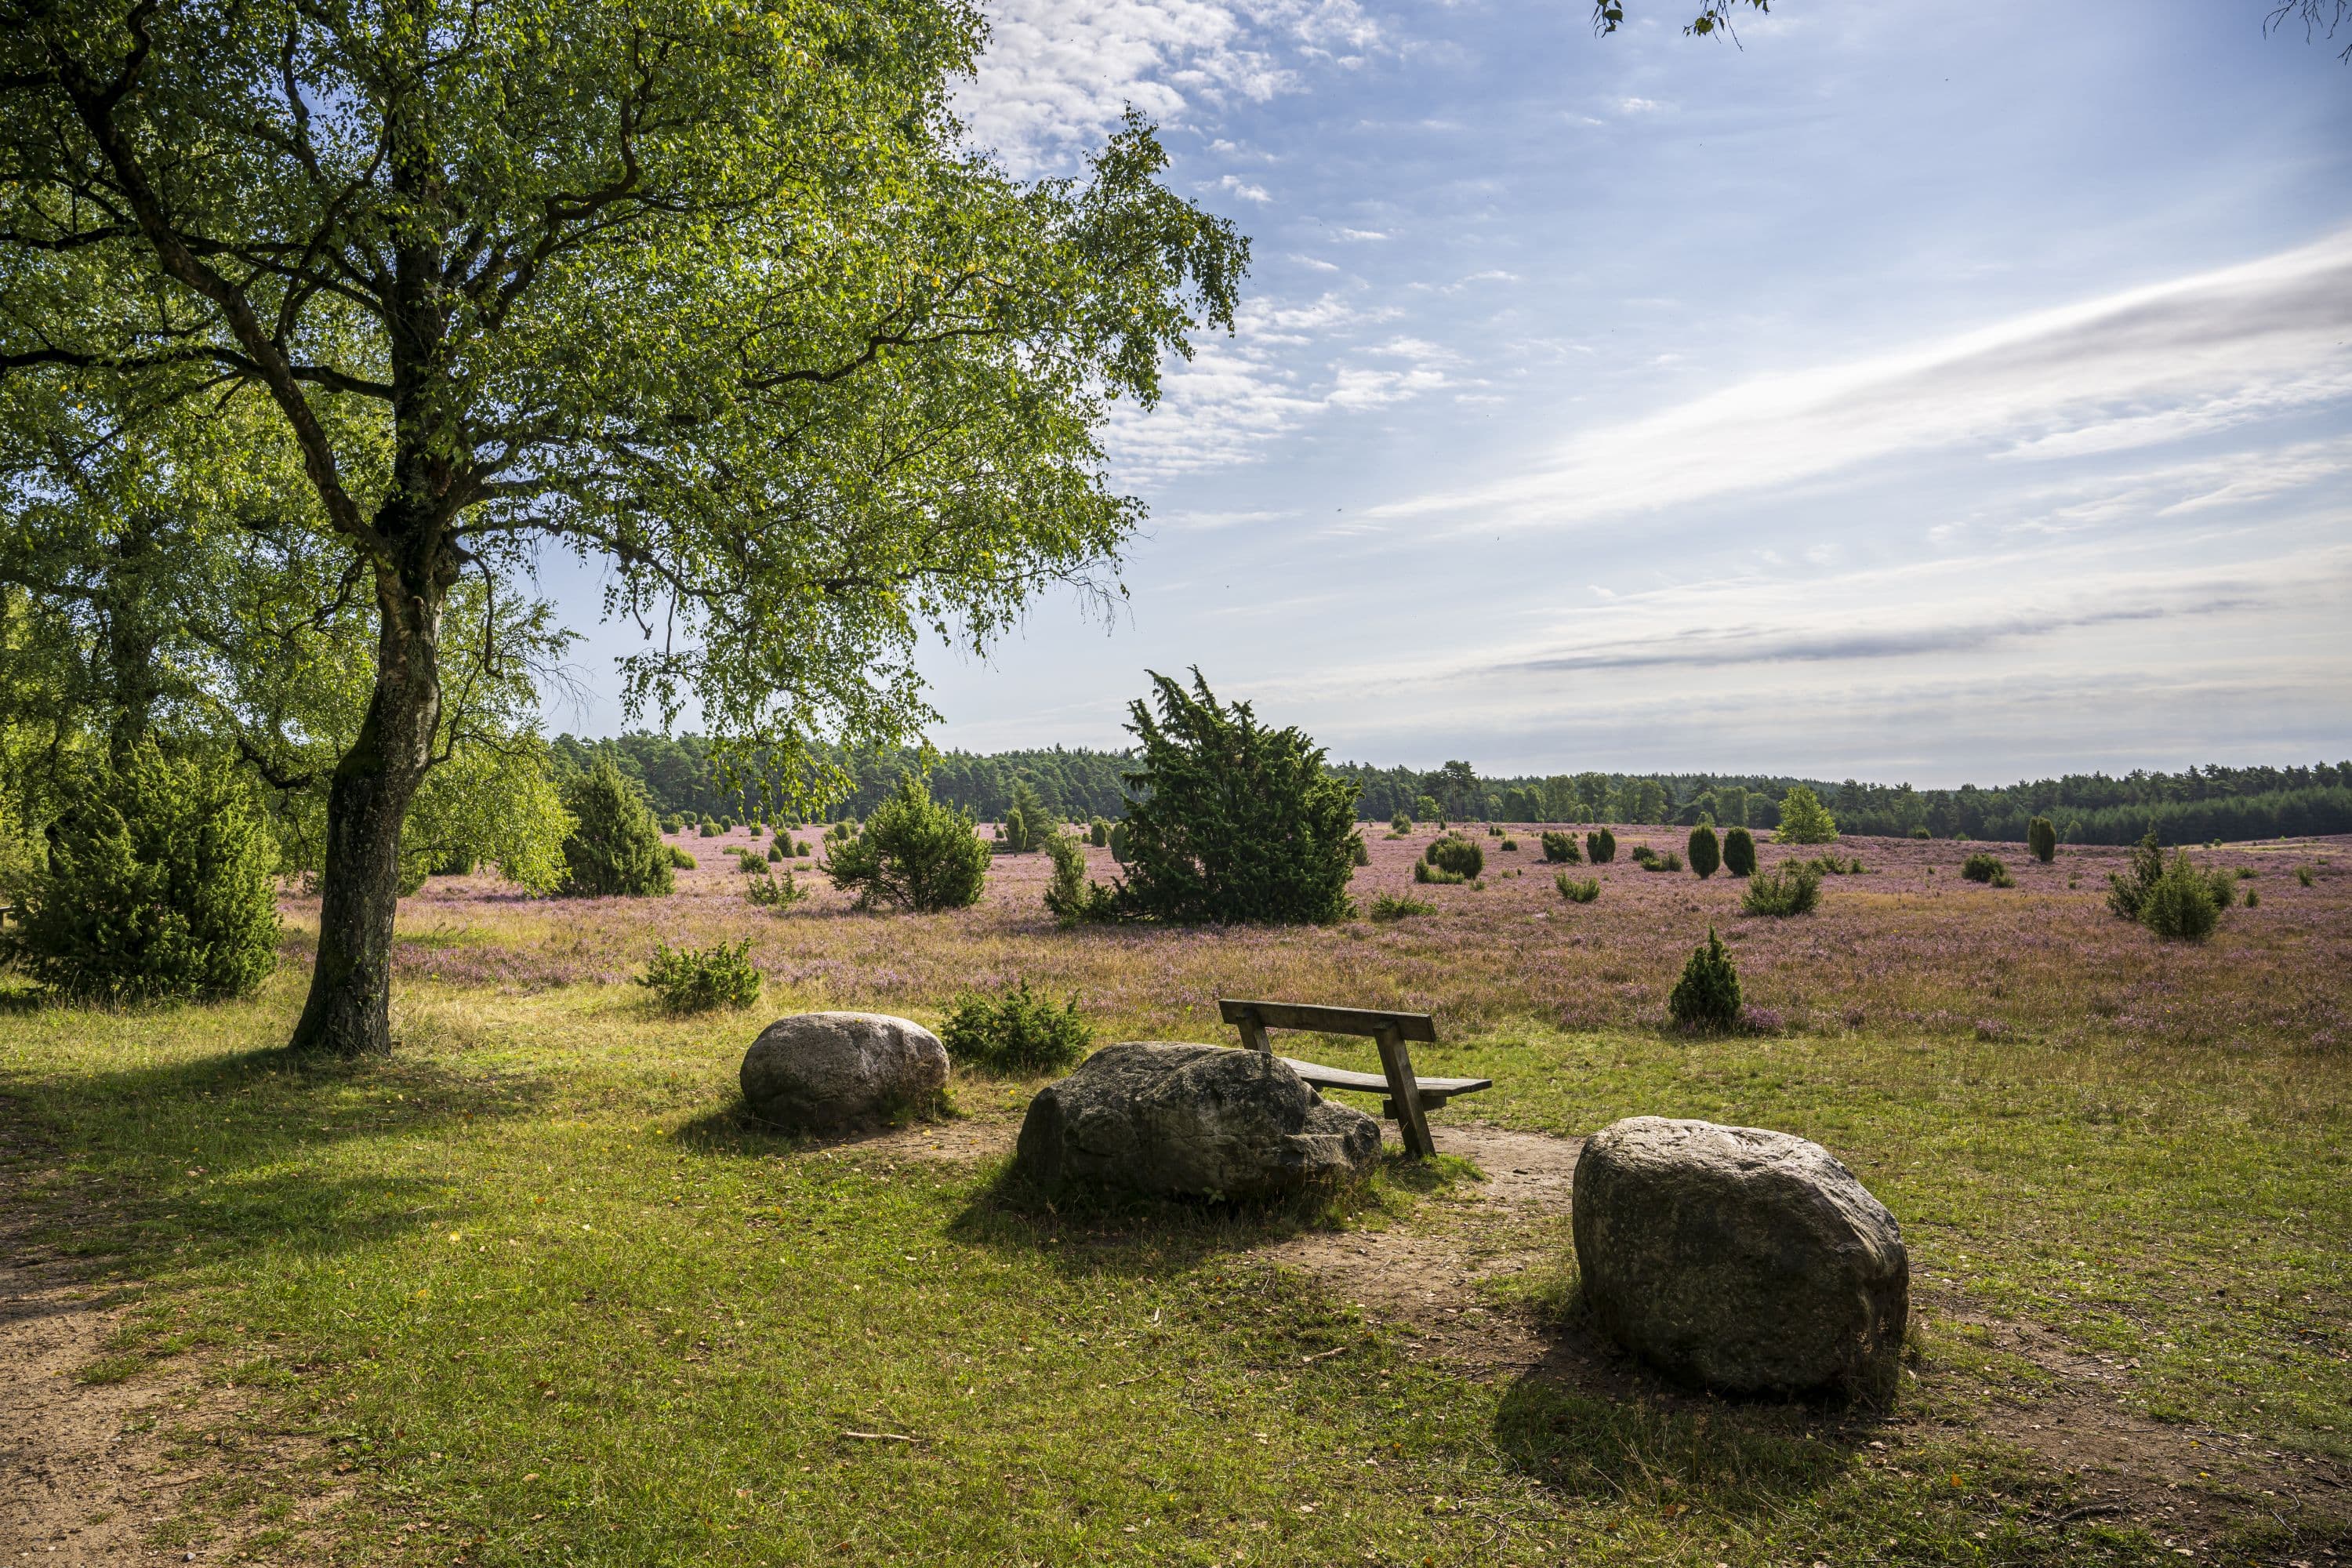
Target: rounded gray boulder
point(824, 1072)
point(1748, 1260)
point(1176, 1119)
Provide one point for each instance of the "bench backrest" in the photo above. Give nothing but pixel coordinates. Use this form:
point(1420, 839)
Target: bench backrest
point(1254, 1018)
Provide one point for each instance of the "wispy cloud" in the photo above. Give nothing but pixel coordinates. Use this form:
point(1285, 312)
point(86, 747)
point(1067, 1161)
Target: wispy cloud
point(1056, 73)
point(2151, 365)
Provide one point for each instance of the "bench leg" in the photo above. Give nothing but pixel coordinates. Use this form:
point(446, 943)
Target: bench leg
point(1404, 1094)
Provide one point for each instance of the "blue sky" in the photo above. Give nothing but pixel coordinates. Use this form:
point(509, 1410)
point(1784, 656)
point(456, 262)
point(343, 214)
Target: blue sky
point(1927, 393)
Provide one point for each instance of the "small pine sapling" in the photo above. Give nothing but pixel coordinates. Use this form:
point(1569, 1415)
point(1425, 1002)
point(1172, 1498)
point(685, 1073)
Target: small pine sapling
point(1706, 996)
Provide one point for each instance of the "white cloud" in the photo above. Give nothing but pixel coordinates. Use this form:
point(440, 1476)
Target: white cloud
point(1242, 188)
point(2191, 357)
point(1057, 73)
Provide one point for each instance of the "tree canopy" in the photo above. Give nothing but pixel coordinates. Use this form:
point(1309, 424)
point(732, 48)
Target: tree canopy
point(715, 293)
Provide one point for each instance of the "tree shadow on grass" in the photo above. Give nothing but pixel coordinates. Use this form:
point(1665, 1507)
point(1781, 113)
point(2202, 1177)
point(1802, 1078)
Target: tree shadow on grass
point(209, 1158)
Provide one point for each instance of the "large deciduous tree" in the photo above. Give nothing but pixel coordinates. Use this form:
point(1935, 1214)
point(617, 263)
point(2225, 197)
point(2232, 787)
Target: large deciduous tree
point(710, 289)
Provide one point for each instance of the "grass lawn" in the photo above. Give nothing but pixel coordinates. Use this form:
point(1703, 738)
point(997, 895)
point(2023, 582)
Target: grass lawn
point(530, 1293)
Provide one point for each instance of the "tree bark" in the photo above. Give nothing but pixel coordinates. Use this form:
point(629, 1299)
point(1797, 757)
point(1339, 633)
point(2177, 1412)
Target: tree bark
point(348, 1012)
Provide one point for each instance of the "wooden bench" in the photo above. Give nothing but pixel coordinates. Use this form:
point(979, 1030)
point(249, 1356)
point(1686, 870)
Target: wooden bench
point(1409, 1098)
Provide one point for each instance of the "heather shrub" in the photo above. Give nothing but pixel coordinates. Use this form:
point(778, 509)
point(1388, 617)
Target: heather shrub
point(1015, 1032)
point(913, 852)
point(2180, 905)
point(1740, 852)
point(1982, 868)
point(1400, 906)
point(1787, 890)
point(1706, 996)
point(159, 882)
point(697, 980)
point(1804, 819)
point(1705, 851)
point(1453, 852)
point(681, 860)
point(769, 891)
point(1236, 820)
point(1600, 846)
point(614, 849)
point(1562, 848)
point(1577, 892)
point(2042, 838)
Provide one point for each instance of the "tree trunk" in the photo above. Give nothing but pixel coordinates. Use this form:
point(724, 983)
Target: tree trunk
point(348, 1012)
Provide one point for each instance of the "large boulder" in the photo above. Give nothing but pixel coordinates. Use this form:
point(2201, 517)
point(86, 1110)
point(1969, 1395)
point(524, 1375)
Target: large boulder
point(824, 1072)
point(1189, 1120)
point(1747, 1260)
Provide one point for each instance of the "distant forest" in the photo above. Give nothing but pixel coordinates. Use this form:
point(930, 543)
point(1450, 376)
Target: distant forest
point(685, 776)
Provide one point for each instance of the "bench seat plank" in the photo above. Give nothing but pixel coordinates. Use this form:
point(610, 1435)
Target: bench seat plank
point(1373, 1083)
point(1327, 1020)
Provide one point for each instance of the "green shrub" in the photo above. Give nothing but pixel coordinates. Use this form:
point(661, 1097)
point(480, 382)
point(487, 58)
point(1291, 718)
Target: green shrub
point(1493, 831)
point(1851, 865)
point(1424, 806)
point(1600, 846)
point(614, 849)
point(1508, 846)
point(1921, 831)
point(913, 852)
point(1422, 871)
point(1027, 824)
point(1454, 852)
point(2128, 891)
point(2042, 838)
point(1236, 820)
point(803, 848)
point(1654, 862)
point(2303, 876)
point(1015, 1032)
point(1787, 890)
point(1706, 996)
point(1740, 852)
point(697, 980)
point(2180, 903)
point(751, 861)
point(159, 882)
point(769, 891)
point(1400, 822)
point(710, 828)
point(1982, 868)
point(2225, 888)
point(1358, 852)
point(1804, 819)
point(680, 860)
point(1070, 897)
point(1705, 851)
point(1400, 907)
point(1562, 848)
point(1118, 841)
point(2253, 898)
point(1577, 892)
point(775, 854)
point(1098, 832)
point(673, 823)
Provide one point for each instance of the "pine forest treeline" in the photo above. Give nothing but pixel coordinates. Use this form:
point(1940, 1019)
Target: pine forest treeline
point(685, 775)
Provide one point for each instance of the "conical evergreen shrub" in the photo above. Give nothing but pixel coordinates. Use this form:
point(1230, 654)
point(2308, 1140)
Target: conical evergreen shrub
point(1740, 852)
point(615, 848)
point(2041, 837)
point(1705, 852)
point(1708, 995)
point(160, 883)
